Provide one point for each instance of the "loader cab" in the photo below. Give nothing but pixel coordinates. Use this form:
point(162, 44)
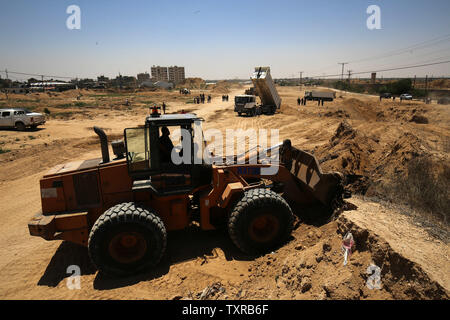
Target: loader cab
point(147, 151)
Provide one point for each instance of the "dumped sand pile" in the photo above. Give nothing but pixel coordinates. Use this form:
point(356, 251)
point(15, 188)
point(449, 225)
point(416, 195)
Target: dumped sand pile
point(224, 87)
point(363, 159)
point(193, 83)
point(396, 156)
point(350, 153)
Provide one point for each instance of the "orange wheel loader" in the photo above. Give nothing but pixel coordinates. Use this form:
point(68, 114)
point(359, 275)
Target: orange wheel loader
point(122, 208)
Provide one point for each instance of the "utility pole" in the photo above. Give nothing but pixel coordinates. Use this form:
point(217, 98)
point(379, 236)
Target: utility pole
point(426, 89)
point(342, 74)
point(301, 74)
point(7, 81)
point(42, 81)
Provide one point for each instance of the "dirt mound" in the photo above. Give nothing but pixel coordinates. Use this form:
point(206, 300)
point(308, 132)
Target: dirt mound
point(224, 87)
point(348, 152)
point(311, 267)
point(193, 83)
point(396, 156)
point(402, 278)
point(358, 109)
point(364, 159)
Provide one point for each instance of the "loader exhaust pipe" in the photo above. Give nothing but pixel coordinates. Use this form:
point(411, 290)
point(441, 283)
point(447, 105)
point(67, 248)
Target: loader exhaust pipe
point(103, 142)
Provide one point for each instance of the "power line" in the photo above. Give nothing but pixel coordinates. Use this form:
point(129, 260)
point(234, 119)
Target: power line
point(408, 67)
point(38, 75)
point(383, 70)
point(417, 46)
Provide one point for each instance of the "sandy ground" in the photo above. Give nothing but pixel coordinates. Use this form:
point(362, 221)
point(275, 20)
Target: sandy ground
point(413, 264)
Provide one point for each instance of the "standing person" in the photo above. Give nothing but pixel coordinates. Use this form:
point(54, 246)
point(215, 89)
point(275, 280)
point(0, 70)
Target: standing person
point(164, 107)
point(322, 102)
point(298, 101)
point(209, 98)
point(165, 145)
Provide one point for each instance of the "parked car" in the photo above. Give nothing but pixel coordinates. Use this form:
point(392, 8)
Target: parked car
point(385, 95)
point(20, 119)
point(406, 96)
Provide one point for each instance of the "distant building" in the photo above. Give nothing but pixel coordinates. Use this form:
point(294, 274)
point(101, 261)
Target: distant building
point(141, 77)
point(159, 73)
point(17, 90)
point(102, 79)
point(176, 74)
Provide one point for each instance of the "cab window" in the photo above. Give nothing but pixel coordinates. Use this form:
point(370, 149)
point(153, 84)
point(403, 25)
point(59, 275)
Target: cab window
point(6, 114)
point(138, 149)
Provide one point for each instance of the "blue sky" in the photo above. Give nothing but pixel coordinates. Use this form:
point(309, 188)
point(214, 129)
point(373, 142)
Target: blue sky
point(221, 39)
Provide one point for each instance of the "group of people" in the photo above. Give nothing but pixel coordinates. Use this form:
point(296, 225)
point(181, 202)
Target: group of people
point(302, 101)
point(225, 98)
point(201, 98)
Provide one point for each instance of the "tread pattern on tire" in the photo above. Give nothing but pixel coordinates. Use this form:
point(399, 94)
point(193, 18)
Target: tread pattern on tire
point(128, 212)
point(252, 200)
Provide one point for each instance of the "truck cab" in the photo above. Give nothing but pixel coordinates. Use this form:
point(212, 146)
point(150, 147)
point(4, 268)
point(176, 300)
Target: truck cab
point(20, 119)
point(245, 104)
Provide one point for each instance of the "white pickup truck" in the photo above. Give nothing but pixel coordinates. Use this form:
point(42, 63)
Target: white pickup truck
point(20, 119)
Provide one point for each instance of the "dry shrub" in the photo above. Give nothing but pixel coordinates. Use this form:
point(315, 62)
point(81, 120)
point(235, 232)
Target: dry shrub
point(425, 186)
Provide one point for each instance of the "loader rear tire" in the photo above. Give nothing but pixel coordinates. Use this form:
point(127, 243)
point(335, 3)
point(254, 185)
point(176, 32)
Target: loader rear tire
point(127, 239)
point(261, 221)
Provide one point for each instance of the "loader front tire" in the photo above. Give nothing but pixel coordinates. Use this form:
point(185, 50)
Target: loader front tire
point(261, 221)
point(127, 239)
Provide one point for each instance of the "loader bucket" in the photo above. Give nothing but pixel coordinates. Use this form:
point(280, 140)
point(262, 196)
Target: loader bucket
point(306, 171)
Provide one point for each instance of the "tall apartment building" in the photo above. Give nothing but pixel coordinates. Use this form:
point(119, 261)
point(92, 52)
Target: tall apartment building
point(176, 74)
point(159, 73)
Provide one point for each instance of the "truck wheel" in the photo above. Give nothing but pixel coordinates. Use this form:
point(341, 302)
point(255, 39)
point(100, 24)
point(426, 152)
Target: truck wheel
point(127, 239)
point(239, 114)
point(260, 221)
point(20, 126)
